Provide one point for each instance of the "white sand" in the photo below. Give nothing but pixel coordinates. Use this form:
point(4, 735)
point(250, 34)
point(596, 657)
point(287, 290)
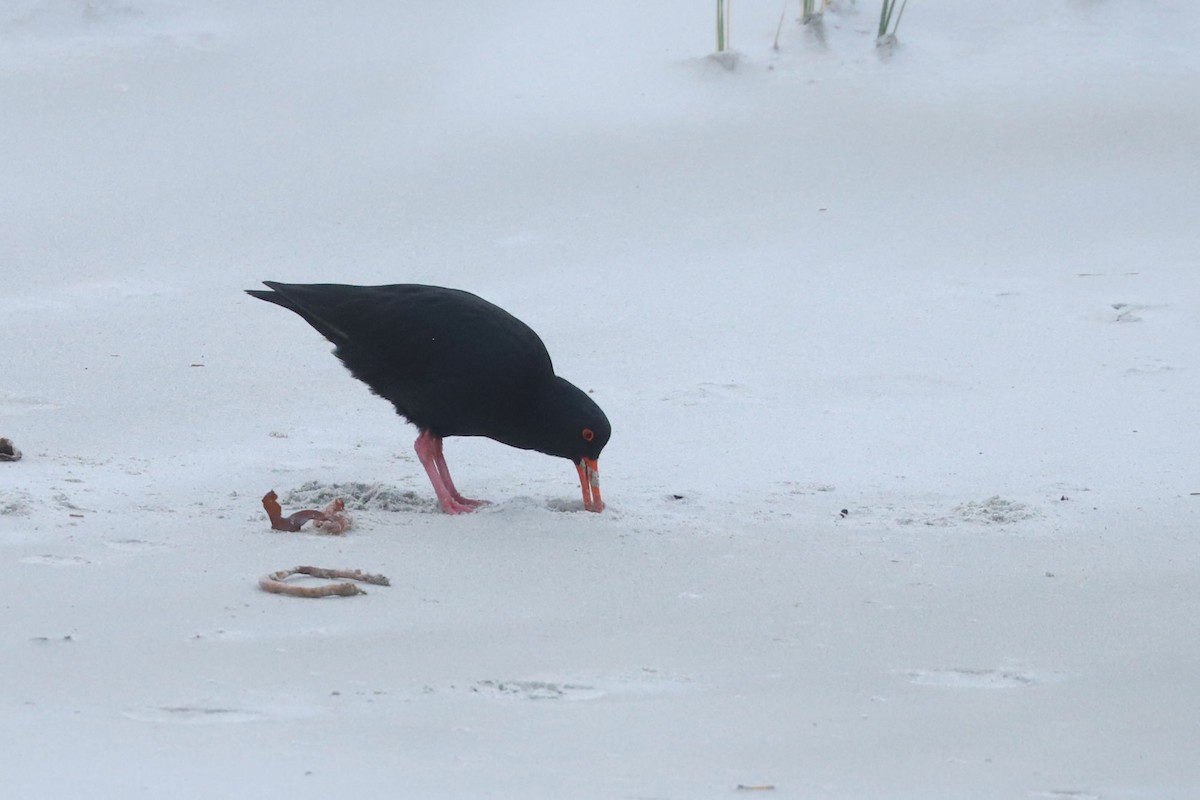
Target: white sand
point(953, 292)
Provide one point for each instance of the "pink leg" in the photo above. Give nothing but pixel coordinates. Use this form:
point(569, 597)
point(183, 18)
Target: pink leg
point(429, 451)
point(439, 461)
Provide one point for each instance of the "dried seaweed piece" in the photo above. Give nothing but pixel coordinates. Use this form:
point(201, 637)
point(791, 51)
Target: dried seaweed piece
point(275, 584)
point(332, 519)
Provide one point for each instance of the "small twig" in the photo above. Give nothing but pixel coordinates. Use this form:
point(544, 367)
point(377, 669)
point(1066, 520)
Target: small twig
point(274, 582)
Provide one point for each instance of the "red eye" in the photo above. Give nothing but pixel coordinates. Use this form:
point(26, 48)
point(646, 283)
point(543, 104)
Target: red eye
point(588, 434)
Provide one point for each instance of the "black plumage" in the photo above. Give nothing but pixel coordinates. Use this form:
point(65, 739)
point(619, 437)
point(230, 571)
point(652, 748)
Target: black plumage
point(454, 364)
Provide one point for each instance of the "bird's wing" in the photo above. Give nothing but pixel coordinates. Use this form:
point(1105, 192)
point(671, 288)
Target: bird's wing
point(424, 348)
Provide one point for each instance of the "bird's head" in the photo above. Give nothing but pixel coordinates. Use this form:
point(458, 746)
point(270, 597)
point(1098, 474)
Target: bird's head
point(594, 435)
point(572, 426)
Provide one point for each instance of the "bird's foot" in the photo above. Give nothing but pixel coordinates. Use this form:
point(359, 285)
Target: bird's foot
point(466, 501)
point(460, 505)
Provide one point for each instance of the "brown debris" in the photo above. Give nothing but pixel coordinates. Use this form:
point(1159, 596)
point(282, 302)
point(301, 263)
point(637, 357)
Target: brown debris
point(332, 519)
point(275, 584)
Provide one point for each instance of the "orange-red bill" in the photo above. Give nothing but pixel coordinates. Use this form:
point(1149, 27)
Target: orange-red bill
point(589, 481)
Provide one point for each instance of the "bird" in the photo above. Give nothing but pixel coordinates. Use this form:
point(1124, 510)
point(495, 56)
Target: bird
point(454, 364)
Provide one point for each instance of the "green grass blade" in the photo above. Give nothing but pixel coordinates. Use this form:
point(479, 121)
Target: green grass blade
point(900, 15)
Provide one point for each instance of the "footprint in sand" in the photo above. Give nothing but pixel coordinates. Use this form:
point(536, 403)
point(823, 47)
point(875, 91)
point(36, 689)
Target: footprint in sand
point(204, 713)
point(978, 678)
point(636, 683)
point(193, 715)
point(15, 504)
point(710, 392)
point(536, 690)
point(56, 561)
point(1132, 312)
point(358, 497)
point(995, 510)
point(1148, 365)
point(17, 404)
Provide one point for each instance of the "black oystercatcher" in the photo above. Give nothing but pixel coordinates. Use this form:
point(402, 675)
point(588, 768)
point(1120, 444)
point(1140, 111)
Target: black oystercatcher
point(454, 364)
